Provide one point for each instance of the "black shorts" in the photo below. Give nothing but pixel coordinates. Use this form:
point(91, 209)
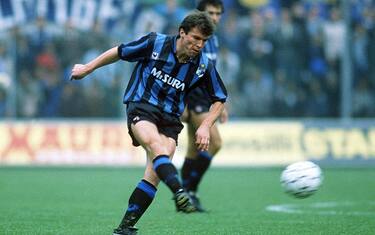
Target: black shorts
point(198, 101)
point(166, 123)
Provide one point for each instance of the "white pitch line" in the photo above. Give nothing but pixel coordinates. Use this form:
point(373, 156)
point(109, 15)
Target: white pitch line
point(285, 208)
point(334, 208)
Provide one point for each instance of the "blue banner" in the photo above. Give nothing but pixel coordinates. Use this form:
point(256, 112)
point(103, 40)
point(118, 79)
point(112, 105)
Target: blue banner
point(80, 13)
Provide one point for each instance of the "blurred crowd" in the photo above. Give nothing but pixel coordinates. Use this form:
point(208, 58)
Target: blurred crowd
point(278, 59)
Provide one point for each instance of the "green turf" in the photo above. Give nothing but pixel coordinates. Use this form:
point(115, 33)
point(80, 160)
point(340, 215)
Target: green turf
point(92, 200)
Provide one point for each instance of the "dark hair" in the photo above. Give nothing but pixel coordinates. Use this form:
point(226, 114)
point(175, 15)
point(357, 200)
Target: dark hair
point(200, 20)
point(204, 3)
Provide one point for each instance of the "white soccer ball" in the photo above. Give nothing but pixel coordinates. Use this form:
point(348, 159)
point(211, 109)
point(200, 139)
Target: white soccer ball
point(301, 179)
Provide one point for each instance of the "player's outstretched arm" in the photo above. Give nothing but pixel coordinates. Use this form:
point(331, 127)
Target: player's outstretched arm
point(79, 71)
point(202, 135)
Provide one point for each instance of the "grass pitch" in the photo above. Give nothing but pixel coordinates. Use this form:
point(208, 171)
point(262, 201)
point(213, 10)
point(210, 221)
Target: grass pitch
point(241, 201)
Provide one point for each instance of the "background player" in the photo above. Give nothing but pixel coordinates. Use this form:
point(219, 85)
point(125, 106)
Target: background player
point(198, 104)
point(167, 68)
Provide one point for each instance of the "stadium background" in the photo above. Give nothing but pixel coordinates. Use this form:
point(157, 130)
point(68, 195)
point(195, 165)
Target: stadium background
point(300, 74)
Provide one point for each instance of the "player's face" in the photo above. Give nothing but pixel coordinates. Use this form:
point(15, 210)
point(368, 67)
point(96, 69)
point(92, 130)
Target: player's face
point(214, 12)
point(192, 42)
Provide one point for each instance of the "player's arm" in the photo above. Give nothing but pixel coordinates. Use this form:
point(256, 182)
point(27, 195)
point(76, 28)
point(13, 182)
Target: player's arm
point(79, 71)
point(224, 116)
point(202, 135)
point(218, 94)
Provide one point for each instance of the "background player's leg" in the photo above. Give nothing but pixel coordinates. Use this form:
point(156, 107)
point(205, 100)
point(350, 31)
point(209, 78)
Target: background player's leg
point(197, 162)
point(190, 163)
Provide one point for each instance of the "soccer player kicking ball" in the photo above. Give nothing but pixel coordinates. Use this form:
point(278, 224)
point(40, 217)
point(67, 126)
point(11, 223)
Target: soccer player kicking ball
point(167, 68)
point(198, 105)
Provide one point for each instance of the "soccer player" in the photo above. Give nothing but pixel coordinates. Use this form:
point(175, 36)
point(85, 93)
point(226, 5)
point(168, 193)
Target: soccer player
point(167, 68)
point(198, 105)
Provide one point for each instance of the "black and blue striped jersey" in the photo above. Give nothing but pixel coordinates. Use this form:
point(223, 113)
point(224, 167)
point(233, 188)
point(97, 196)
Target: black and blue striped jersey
point(159, 79)
point(211, 48)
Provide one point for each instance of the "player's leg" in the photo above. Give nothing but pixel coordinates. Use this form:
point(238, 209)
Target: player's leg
point(190, 161)
point(161, 149)
point(197, 162)
point(215, 137)
point(139, 200)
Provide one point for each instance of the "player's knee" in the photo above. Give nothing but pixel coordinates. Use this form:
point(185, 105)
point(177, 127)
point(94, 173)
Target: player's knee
point(161, 148)
point(157, 148)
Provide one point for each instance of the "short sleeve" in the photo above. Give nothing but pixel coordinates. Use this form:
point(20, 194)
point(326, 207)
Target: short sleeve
point(214, 84)
point(137, 50)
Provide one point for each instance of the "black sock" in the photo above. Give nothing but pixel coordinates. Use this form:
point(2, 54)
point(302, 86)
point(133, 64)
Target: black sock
point(167, 172)
point(188, 166)
point(193, 170)
point(139, 201)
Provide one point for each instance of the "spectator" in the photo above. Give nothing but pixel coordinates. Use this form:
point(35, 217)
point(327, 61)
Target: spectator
point(29, 96)
point(72, 103)
point(334, 36)
point(256, 93)
point(3, 102)
point(294, 43)
point(363, 99)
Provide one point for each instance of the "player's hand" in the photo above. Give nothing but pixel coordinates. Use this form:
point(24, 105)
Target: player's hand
point(202, 137)
point(79, 71)
point(224, 116)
